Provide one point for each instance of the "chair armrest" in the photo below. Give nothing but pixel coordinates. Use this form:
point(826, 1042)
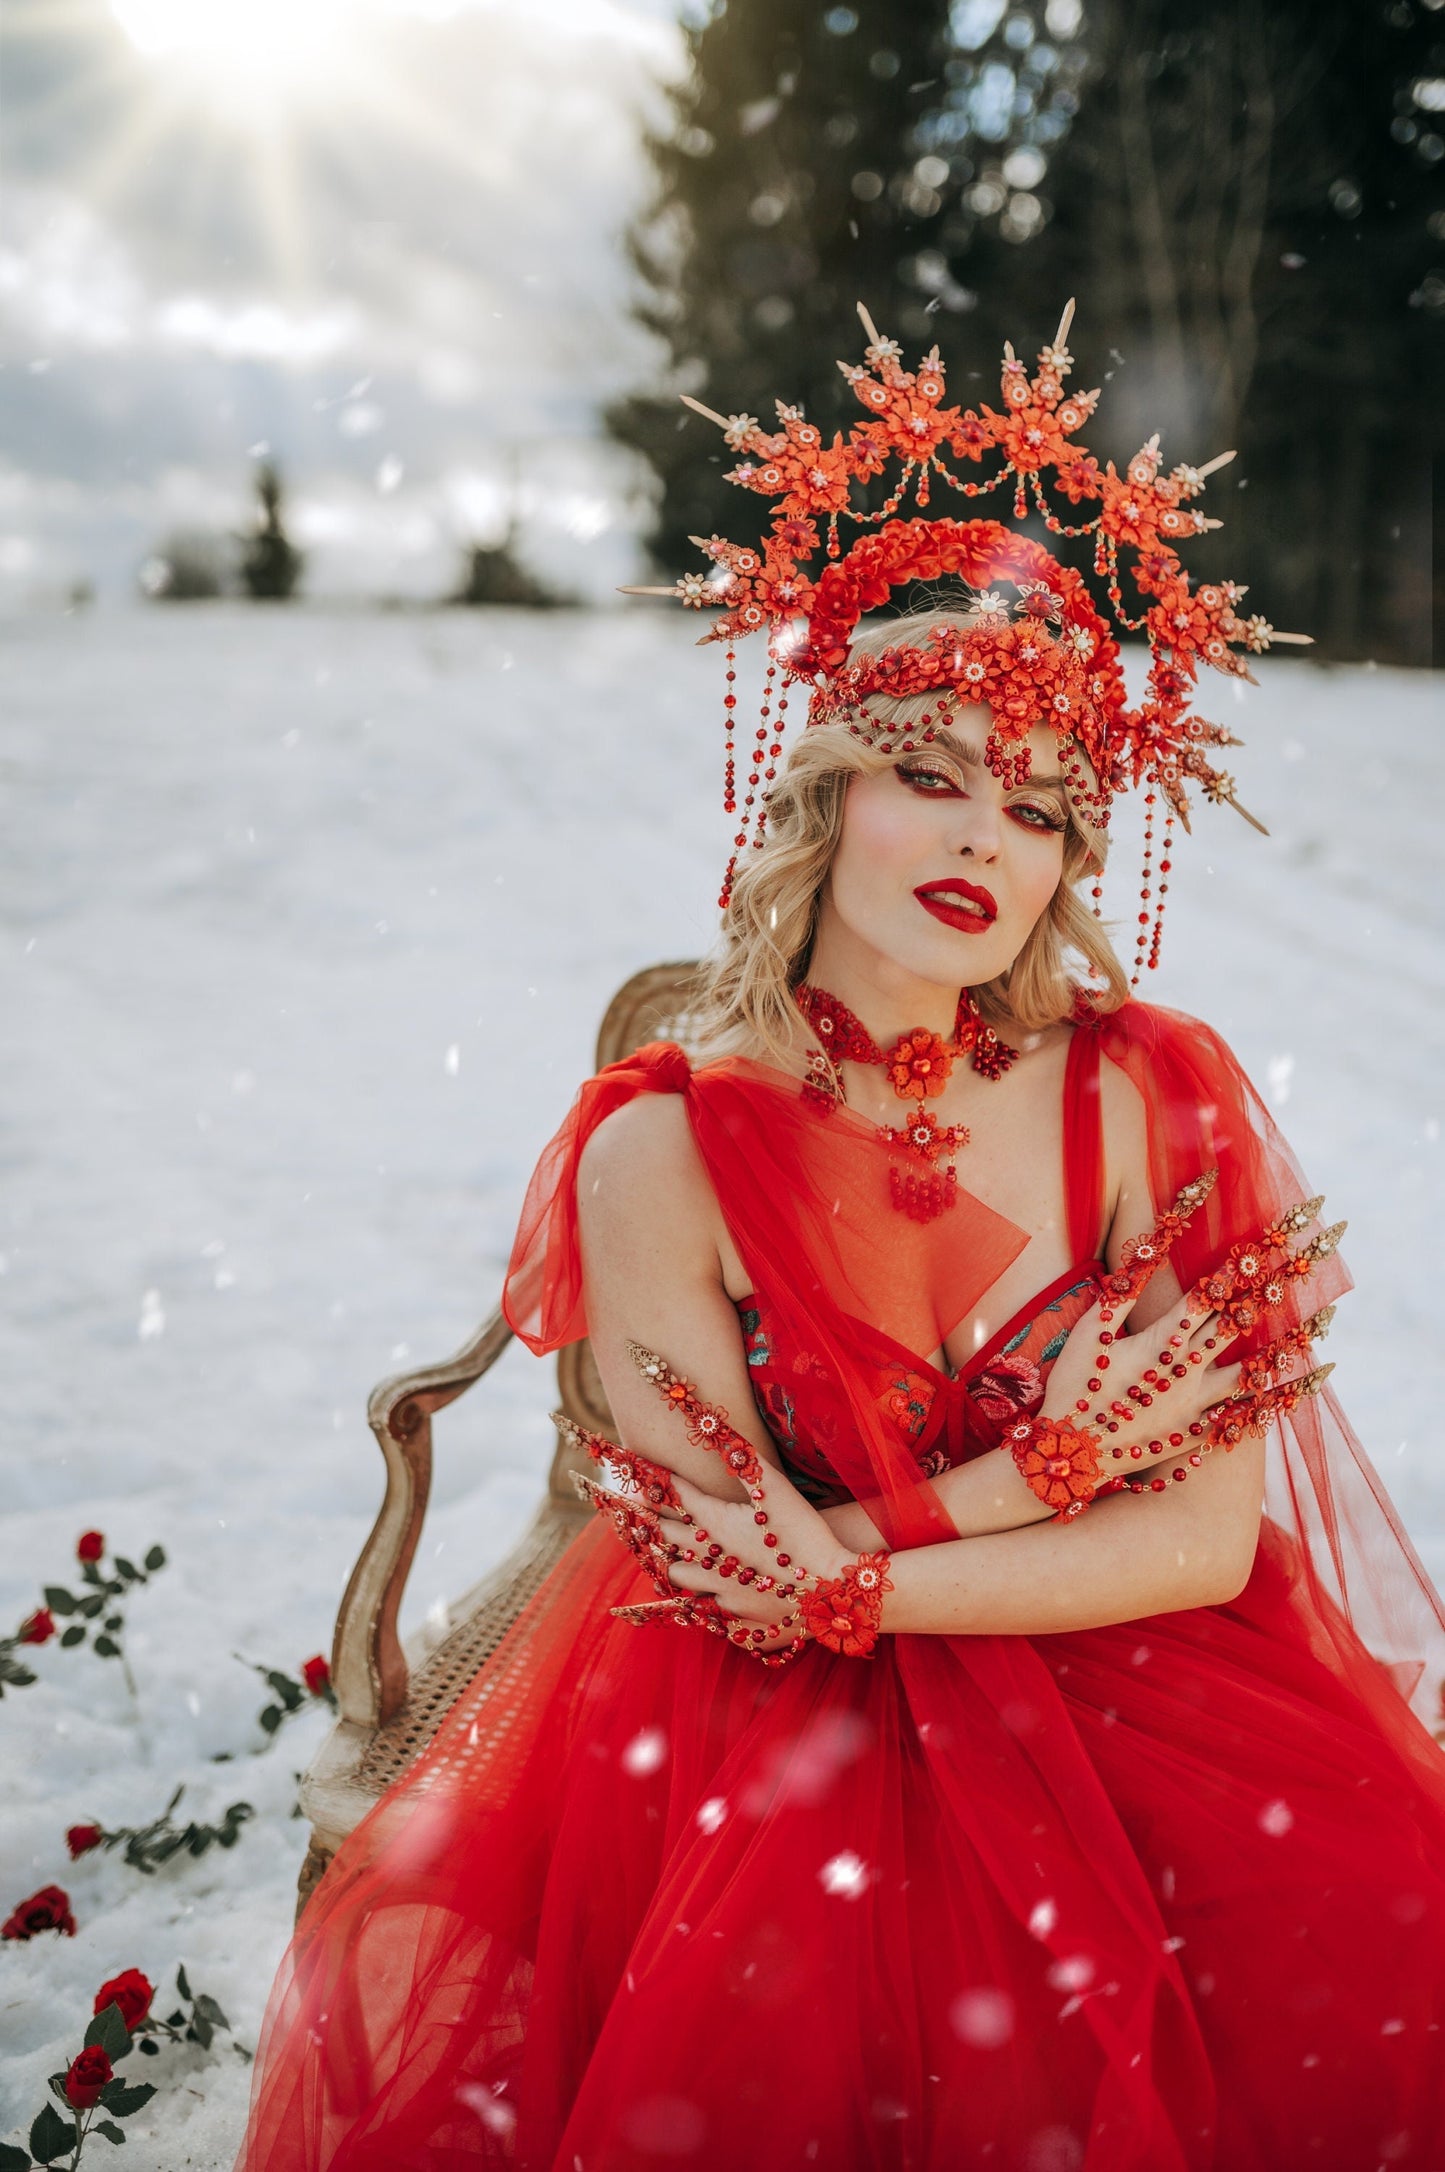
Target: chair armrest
point(368, 1667)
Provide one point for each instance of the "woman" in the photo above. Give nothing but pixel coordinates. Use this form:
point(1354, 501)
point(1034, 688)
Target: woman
point(1033, 1782)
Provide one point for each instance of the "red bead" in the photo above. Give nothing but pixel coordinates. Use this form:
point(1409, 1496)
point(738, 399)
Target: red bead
point(1156, 1485)
point(1178, 1472)
point(1176, 1440)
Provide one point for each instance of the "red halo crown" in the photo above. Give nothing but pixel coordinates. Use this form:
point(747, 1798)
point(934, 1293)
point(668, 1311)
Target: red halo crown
point(1048, 656)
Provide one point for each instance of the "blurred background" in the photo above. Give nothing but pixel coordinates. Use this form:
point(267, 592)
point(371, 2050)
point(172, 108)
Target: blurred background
point(340, 351)
point(397, 281)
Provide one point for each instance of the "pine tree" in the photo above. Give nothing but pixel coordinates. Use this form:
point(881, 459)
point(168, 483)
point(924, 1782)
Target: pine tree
point(271, 564)
point(787, 191)
point(1246, 202)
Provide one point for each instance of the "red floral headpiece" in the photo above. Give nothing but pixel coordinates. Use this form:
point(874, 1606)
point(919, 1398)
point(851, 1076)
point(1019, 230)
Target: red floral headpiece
point(1047, 656)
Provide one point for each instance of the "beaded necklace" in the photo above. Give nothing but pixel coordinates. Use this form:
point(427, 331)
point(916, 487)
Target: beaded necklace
point(918, 1066)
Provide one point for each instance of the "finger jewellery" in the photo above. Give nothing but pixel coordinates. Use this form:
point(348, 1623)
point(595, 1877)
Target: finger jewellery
point(1061, 1461)
point(843, 1613)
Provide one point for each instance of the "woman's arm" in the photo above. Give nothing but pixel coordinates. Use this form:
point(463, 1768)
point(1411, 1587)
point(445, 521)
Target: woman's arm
point(1193, 1545)
point(648, 1225)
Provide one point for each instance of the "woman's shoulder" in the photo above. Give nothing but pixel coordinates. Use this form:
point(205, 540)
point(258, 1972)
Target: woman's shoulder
point(1148, 1029)
point(640, 1157)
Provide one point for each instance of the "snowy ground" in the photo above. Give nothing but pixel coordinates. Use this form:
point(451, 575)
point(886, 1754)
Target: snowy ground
point(308, 919)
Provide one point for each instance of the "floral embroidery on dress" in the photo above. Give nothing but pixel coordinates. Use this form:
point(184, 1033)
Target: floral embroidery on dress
point(1008, 1385)
point(908, 1400)
point(758, 1349)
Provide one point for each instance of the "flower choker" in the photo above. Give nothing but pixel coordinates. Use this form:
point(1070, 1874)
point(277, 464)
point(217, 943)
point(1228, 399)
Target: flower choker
point(918, 1066)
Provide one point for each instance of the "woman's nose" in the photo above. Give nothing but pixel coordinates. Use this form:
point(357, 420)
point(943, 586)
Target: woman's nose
point(978, 828)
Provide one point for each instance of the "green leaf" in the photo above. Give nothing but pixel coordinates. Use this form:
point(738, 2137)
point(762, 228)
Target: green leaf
point(106, 1647)
point(129, 2099)
point(50, 2135)
point(156, 1558)
point(55, 2083)
point(201, 2032)
point(13, 2159)
point(125, 1568)
point(108, 2029)
point(59, 1600)
point(110, 2130)
point(113, 1621)
point(181, 1985)
point(92, 1606)
point(206, 2005)
point(17, 1676)
point(75, 1634)
point(271, 1718)
point(149, 2046)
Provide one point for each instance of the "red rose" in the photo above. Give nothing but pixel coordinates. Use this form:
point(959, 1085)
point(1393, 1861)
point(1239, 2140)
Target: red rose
point(316, 1673)
point(90, 1546)
point(1006, 1386)
point(88, 2073)
point(131, 1992)
point(47, 1910)
point(80, 1839)
point(40, 1627)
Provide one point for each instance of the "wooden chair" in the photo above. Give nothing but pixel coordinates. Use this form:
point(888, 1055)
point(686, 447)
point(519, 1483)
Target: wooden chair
point(393, 1697)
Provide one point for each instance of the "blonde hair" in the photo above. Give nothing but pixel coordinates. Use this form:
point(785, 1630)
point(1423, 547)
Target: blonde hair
point(771, 921)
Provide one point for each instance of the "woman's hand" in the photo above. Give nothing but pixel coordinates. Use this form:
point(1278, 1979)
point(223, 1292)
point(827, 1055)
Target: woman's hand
point(729, 1530)
point(1168, 1377)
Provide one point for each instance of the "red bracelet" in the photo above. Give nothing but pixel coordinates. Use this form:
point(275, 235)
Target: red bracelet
point(845, 1612)
point(1058, 1461)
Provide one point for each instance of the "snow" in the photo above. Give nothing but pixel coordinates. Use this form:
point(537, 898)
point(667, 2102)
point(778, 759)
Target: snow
point(309, 918)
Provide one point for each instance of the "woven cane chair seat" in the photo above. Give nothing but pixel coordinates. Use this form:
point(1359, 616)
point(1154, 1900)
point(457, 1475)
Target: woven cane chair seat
point(393, 1696)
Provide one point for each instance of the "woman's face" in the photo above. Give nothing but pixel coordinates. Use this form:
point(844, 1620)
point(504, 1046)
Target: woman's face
point(940, 872)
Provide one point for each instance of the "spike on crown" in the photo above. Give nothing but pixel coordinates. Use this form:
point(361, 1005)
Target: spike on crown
point(1048, 656)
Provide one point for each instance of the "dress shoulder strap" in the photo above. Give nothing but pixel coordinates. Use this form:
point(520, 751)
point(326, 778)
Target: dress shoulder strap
point(1084, 1144)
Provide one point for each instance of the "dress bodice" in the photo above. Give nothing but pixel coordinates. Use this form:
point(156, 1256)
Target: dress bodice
point(940, 1419)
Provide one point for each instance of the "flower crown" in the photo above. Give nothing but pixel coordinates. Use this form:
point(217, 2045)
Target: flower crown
point(1048, 656)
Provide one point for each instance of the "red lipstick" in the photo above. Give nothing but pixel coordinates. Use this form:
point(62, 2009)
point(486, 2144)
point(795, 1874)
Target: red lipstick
point(958, 904)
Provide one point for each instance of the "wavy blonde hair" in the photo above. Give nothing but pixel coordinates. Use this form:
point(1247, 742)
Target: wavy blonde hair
point(745, 988)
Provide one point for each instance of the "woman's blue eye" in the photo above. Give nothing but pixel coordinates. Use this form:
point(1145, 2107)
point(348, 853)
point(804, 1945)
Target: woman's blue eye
point(929, 776)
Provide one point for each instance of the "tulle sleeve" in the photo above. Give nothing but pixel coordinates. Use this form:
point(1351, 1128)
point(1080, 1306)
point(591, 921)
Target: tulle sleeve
point(542, 1293)
point(1329, 1516)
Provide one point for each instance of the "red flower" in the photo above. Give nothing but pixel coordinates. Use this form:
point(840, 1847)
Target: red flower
point(40, 1627)
point(80, 1839)
point(316, 1673)
point(88, 2073)
point(1059, 1463)
point(90, 1546)
point(47, 1910)
point(131, 1992)
point(796, 538)
point(1010, 1384)
point(1080, 478)
point(970, 436)
point(919, 1064)
point(843, 1624)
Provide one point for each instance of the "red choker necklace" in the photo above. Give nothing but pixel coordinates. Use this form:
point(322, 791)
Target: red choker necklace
point(918, 1066)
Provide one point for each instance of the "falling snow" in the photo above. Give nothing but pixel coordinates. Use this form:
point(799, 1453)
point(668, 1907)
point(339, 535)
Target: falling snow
point(283, 1154)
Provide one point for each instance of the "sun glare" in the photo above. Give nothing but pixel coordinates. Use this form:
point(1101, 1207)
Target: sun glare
point(241, 48)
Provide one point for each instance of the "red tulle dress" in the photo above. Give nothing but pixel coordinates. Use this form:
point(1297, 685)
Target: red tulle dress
point(1167, 1896)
